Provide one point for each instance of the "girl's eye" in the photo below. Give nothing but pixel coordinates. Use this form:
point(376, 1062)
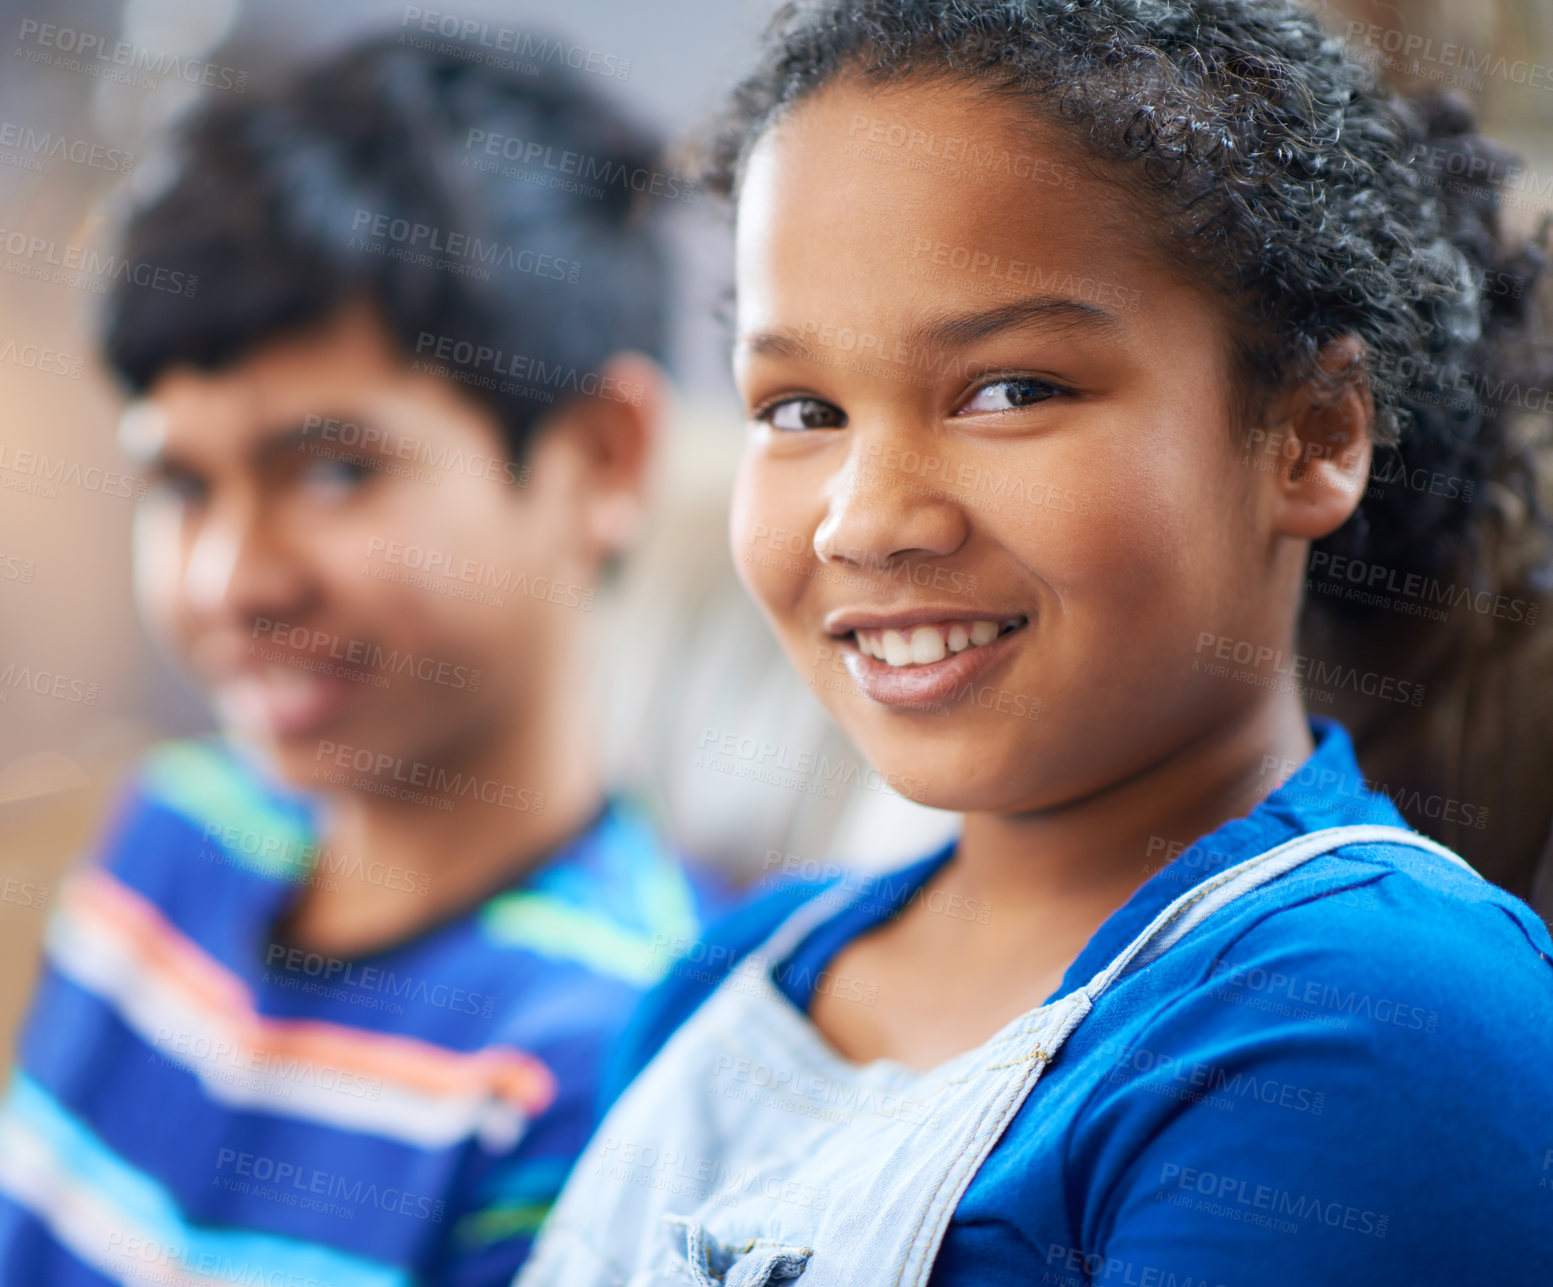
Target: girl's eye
point(1009, 395)
point(794, 414)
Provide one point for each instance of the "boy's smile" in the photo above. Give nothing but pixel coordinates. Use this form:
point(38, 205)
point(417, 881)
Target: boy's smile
point(992, 462)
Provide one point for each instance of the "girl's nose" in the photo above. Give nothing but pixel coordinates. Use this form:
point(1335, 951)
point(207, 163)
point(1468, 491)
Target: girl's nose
point(878, 511)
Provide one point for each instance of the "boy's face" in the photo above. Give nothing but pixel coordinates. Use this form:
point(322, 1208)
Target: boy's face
point(977, 395)
point(339, 550)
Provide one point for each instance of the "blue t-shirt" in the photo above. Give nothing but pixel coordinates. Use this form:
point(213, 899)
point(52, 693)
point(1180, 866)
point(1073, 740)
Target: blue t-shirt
point(1345, 1077)
point(200, 1101)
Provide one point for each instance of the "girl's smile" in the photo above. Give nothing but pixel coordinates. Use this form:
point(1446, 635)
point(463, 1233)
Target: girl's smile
point(923, 657)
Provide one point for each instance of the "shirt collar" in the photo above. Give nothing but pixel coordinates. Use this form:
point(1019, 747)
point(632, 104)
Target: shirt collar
point(1326, 790)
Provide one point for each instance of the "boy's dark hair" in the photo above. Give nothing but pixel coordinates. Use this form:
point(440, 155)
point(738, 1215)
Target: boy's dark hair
point(1317, 205)
point(496, 222)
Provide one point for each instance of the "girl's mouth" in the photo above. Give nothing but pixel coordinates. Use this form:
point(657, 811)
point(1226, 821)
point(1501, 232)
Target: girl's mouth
point(929, 642)
point(927, 663)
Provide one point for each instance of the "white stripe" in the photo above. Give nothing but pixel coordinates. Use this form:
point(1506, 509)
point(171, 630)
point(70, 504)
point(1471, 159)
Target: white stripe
point(126, 1225)
point(80, 1219)
point(232, 1072)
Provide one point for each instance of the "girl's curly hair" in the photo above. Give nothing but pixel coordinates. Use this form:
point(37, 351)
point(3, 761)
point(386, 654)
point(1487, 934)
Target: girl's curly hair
point(1317, 203)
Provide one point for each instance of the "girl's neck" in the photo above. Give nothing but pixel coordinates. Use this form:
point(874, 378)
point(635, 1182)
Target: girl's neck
point(1094, 852)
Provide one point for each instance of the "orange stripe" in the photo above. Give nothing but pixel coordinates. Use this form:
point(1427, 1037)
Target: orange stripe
point(178, 964)
point(160, 948)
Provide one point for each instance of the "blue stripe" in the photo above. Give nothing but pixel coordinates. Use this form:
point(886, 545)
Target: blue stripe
point(29, 1254)
point(152, 1098)
point(149, 1210)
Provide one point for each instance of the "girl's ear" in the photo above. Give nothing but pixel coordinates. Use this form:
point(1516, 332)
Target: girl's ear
point(1323, 438)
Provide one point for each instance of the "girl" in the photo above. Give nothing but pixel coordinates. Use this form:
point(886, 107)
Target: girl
point(1071, 335)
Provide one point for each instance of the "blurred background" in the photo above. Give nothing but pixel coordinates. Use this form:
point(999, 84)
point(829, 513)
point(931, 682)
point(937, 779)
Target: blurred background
point(701, 657)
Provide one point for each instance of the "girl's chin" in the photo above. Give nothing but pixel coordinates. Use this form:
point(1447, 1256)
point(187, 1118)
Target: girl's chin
point(940, 779)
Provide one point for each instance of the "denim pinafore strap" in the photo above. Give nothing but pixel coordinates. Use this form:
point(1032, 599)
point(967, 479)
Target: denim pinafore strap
point(749, 1152)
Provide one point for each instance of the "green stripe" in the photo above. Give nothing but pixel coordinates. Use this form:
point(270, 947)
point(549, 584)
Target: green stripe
point(205, 784)
point(516, 1220)
point(668, 900)
point(563, 931)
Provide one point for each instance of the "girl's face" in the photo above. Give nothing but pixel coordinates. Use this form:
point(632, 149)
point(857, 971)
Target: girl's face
point(991, 499)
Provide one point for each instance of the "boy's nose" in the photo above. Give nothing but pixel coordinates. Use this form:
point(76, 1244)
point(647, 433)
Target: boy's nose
point(240, 567)
point(882, 505)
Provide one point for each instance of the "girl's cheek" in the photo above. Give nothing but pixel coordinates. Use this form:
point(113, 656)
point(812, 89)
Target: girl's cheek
point(771, 537)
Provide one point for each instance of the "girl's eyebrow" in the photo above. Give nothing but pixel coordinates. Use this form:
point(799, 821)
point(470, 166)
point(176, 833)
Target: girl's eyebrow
point(955, 330)
point(1035, 312)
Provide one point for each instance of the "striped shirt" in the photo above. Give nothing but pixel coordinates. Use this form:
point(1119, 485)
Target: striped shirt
point(198, 1101)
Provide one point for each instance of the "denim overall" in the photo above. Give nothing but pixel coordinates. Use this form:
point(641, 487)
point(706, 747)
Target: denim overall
point(749, 1152)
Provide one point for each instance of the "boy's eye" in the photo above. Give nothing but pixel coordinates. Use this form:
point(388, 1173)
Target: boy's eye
point(178, 486)
point(335, 477)
point(794, 414)
point(1008, 394)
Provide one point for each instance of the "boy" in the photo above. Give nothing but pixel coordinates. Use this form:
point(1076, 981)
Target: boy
point(396, 418)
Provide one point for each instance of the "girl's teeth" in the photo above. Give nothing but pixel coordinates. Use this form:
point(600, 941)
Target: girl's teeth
point(924, 645)
point(927, 645)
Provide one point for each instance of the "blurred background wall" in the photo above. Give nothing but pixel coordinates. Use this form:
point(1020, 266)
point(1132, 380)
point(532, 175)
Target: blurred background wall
point(700, 658)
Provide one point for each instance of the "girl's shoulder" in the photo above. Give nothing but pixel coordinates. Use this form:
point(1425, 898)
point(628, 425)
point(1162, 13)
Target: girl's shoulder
point(1360, 955)
point(1383, 904)
point(1356, 1052)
